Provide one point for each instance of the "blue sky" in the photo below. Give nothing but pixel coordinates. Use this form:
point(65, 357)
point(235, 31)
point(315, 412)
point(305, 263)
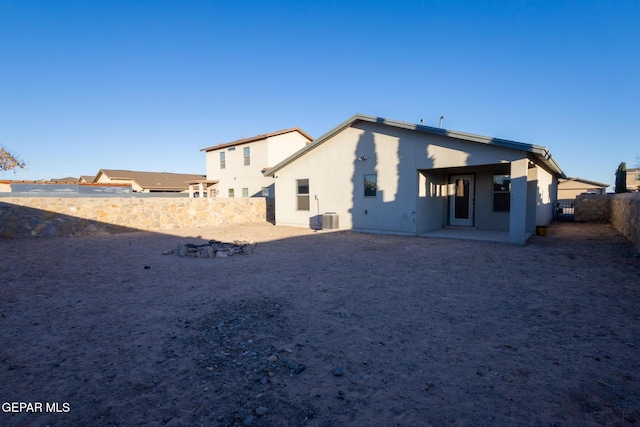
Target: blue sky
point(144, 85)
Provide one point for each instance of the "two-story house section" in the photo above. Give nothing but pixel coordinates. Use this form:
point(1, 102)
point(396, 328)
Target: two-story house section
point(238, 165)
point(633, 179)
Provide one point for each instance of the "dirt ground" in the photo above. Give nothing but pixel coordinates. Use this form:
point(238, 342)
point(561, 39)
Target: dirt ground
point(321, 329)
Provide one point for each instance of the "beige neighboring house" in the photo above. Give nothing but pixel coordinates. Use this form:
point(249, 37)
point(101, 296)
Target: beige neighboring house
point(238, 166)
point(65, 180)
point(378, 175)
point(148, 182)
point(569, 188)
point(5, 185)
point(633, 179)
point(87, 179)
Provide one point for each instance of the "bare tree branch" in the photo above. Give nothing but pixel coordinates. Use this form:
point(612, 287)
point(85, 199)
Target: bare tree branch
point(9, 161)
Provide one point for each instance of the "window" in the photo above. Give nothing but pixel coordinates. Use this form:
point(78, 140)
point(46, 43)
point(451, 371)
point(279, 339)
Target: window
point(302, 193)
point(265, 191)
point(502, 193)
point(370, 185)
point(247, 156)
point(223, 162)
point(231, 193)
point(245, 192)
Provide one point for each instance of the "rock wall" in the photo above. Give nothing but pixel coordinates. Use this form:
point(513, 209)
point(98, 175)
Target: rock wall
point(52, 216)
point(621, 210)
point(593, 208)
point(625, 215)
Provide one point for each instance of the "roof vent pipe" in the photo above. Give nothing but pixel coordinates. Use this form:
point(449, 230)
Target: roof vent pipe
point(442, 117)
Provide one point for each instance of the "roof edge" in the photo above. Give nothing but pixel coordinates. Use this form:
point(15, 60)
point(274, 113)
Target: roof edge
point(541, 152)
point(258, 138)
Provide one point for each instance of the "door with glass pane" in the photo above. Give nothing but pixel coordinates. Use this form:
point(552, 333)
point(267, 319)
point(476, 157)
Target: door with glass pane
point(461, 200)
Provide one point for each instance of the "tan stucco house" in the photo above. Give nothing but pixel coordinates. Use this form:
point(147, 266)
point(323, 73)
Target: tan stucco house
point(633, 179)
point(569, 188)
point(238, 166)
point(388, 176)
point(148, 182)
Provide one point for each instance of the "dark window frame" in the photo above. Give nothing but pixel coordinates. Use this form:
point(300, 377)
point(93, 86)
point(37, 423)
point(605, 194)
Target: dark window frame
point(501, 192)
point(370, 185)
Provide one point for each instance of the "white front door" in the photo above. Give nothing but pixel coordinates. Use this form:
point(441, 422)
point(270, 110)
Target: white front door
point(461, 200)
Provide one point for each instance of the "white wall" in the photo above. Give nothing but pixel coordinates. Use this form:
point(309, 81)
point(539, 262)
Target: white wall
point(330, 173)
point(431, 206)
point(282, 146)
point(412, 180)
point(547, 196)
point(336, 177)
point(264, 153)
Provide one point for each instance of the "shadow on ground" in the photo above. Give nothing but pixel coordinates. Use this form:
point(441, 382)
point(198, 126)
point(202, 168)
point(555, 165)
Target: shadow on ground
point(322, 329)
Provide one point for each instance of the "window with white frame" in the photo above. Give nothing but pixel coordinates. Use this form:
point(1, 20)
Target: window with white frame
point(231, 193)
point(245, 192)
point(302, 194)
point(223, 162)
point(247, 156)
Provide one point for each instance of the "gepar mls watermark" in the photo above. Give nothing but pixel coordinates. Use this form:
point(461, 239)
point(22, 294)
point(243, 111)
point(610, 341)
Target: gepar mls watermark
point(36, 407)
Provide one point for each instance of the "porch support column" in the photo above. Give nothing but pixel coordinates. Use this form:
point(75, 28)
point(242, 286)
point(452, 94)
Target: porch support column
point(518, 210)
point(200, 190)
point(191, 191)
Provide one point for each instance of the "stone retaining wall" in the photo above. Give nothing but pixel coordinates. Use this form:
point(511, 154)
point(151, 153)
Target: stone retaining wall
point(621, 210)
point(625, 215)
point(52, 216)
point(593, 208)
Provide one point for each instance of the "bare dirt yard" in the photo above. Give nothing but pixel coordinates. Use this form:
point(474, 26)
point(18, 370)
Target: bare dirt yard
point(320, 329)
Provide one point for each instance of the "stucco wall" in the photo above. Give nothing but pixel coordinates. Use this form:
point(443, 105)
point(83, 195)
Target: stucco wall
point(546, 198)
point(412, 172)
point(264, 153)
point(52, 216)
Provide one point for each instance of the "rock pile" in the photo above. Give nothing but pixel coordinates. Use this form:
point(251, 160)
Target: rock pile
point(215, 249)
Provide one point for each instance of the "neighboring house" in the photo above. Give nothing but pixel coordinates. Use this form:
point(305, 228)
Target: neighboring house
point(5, 186)
point(148, 182)
point(633, 179)
point(238, 166)
point(65, 180)
point(569, 188)
point(387, 176)
point(87, 179)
